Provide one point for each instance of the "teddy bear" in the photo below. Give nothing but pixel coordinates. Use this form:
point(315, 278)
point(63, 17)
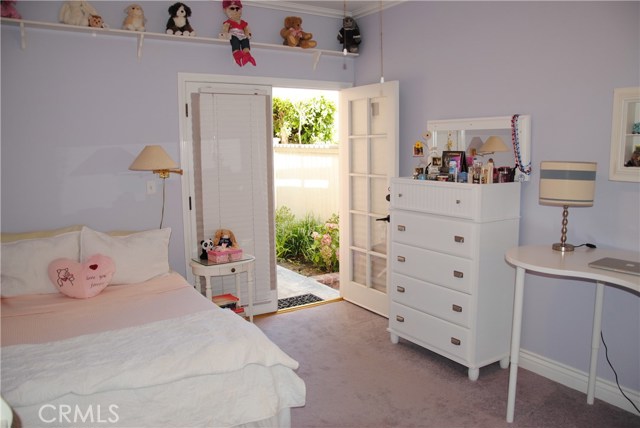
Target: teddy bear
point(96, 21)
point(237, 31)
point(178, 23)
point(293, 34)
point(76, 13)
point(8, 8)
point(206, 245)
point(135, 20)
point(349, 35)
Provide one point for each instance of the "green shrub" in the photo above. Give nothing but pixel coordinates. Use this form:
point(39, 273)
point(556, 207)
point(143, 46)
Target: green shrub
point(304, 122)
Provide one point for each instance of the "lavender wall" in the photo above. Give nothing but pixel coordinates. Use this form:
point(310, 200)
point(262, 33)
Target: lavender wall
point(559, 62)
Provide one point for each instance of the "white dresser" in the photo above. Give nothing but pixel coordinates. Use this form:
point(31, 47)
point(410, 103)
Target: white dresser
point(451, 290)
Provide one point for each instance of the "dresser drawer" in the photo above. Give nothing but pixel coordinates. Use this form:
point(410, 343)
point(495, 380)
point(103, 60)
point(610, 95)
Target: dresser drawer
point(447, 199)
point(437, 268)
point(434, 233)
point(435, 300)
point(432, 331)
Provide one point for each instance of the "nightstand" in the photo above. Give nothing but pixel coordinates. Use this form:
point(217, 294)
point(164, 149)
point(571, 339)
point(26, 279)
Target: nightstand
point(209, 269)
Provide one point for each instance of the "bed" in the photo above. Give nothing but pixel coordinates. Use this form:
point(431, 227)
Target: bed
point(148, 350)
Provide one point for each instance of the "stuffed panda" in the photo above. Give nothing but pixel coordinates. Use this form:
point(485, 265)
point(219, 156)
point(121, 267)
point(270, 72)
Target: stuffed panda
point(206, 245)
point(349, 35)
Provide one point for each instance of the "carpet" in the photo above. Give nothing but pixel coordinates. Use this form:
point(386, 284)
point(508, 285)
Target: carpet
point(291, 302)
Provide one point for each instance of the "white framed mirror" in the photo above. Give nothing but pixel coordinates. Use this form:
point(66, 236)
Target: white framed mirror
point(469, 135)
point(624, 161)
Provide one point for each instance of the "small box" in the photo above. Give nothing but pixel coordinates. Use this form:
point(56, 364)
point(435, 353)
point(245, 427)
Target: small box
point(218, 256)
point(235, 254)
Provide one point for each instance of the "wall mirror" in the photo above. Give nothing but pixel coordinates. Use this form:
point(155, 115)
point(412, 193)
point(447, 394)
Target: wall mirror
point(624, 162)
point(469, 135)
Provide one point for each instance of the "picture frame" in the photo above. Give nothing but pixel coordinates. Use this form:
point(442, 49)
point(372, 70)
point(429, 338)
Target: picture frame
point(436, 161)
point(458, 155)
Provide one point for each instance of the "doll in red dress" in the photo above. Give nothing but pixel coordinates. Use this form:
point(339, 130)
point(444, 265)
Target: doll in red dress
point(237, 32)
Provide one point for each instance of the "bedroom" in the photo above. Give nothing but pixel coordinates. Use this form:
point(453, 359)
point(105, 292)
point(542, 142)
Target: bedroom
point(77, 109)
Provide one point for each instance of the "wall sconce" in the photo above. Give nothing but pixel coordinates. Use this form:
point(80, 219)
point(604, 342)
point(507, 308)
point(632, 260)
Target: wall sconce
point(155, 159)
point(493, 144)
point(567, 184)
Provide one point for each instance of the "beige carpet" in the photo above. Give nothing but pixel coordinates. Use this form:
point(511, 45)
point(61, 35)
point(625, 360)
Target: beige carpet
point(356, 377)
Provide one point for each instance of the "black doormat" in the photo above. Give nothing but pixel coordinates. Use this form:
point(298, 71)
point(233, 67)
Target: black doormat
point(294, 301)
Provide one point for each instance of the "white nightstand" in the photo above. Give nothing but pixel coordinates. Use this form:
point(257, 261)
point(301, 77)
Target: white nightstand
point(208, 269)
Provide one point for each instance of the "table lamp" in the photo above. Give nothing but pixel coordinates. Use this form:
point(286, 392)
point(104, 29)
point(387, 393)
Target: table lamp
point(567, 184)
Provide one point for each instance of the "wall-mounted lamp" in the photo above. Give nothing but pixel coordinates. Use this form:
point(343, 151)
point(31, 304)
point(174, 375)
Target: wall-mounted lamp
point(493, 144)
point(567, 184)
point(155, 159)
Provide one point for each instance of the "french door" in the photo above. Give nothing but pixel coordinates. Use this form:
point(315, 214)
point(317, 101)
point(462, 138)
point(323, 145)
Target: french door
point(369, 159)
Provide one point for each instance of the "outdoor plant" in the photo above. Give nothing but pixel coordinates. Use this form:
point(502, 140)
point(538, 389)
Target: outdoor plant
point(325, 251)
point(304, 122)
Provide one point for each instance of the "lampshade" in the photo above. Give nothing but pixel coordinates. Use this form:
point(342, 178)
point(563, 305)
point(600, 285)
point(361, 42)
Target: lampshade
point(155, 158)
point(474, 146)
point(567, 183)
point(492, 145)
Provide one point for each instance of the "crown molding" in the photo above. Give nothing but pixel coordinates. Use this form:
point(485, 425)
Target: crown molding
point(368, 7)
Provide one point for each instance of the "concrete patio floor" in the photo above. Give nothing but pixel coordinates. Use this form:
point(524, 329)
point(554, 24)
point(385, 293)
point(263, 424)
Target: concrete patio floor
point(293, 284)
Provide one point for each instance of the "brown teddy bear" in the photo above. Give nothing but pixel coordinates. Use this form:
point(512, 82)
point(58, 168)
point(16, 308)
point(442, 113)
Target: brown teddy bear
point(293, 34)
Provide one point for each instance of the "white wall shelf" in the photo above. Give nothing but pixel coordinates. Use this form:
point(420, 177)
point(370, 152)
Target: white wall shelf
point(141, 36)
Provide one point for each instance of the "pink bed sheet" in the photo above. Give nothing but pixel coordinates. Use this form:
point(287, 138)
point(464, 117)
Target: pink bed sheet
point(41, 318)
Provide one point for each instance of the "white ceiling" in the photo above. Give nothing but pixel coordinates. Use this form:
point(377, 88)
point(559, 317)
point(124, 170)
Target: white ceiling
point(355, 8)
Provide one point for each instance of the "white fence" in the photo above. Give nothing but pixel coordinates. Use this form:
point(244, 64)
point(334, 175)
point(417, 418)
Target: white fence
point(307, 178)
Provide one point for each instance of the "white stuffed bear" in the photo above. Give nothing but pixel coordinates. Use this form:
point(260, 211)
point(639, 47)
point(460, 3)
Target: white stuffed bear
point(76, 13)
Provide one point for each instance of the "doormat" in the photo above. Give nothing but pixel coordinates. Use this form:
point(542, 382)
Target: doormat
point(304, 299)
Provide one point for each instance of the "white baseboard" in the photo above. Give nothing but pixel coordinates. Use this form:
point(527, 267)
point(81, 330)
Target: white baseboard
point(606, 391)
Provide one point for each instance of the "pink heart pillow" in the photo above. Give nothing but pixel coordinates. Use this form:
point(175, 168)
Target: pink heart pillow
point(82, 280)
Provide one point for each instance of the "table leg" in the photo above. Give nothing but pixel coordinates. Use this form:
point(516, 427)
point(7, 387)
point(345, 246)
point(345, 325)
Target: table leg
point(207, 287)
point(516, 328)
point(595, 341)
point(250, 286)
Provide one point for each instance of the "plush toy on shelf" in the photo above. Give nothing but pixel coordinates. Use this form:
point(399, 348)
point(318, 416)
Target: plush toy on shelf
point(96, 21)
point(206, 245)
point(294, 35)
point(178, 23)
point(135, 20)
point(237, 31)
point(349, 35)
point(9, 9)
point(76, 13)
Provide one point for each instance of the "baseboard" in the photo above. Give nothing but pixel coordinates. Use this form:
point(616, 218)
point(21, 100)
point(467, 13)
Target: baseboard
point(606, 391)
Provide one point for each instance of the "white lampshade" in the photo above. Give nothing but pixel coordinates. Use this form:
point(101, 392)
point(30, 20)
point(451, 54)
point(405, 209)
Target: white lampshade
point(567, 183)
point(493, 144)
point(153, 158)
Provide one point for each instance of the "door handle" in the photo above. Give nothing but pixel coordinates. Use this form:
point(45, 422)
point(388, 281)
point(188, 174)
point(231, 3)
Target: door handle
point(387, 218)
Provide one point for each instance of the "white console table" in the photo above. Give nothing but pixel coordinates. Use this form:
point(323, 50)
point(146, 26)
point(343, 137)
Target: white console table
point(541, 258)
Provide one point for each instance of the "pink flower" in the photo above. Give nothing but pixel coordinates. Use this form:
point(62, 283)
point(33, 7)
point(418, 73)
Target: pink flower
point(326, 239)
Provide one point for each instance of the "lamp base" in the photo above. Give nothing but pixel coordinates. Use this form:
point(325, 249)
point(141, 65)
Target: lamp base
point(564, 247)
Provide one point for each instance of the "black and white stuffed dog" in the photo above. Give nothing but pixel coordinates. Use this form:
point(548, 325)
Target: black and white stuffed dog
point(349, 35)
point(178, 23)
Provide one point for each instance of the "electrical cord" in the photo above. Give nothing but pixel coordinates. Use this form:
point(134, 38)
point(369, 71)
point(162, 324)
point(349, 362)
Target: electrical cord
point(606, 354)
point(587, 244)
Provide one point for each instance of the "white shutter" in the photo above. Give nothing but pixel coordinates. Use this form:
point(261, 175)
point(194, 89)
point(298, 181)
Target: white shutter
point(233, 181)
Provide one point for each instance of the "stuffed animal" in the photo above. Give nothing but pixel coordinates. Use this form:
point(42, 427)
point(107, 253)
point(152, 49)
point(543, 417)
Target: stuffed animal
point(96, 21)
point(225, 238)
point(76, 13)
point(237, 32)
point(178, 23)
point(293, 34)
point(135, 20)
point(8, 8)
point(206, 245)
point(349, 35)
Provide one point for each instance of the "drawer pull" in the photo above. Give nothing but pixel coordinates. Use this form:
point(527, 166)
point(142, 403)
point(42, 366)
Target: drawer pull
point(233, 270)
point(399, 195)
point(400, 289)
point(459, 239)
point(399, 318)
point(458, 201)
point(455, 341)
point(456, 308)
point(401, 259)
point(401, 228)
point(458, 274)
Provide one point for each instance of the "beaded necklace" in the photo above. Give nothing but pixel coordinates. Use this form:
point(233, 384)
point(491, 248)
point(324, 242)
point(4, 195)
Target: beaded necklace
point(515, 139)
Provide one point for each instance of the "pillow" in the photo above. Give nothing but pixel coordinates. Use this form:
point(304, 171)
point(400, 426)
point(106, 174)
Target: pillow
point(12, 237)
point(81, 280)
point(138, 256)
point(25, 263)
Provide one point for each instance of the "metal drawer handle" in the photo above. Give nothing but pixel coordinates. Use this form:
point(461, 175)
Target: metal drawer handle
point(459, 239)
point(400, 289)
point(458, 201)
point(401, 228)
point(456, 308)
point(399, 318)
point(401, 259)
point(399, 195)
point(458, 274)
point(233, 270)
point(455, 341)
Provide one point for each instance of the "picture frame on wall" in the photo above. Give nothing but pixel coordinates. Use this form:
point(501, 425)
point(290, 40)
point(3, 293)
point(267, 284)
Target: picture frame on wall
point(458, 156)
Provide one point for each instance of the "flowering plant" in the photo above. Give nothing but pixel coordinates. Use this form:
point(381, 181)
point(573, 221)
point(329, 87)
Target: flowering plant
point(325, 250)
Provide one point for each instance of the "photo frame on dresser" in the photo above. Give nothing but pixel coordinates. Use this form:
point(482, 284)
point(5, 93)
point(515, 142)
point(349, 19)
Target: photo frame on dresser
point(458, 156)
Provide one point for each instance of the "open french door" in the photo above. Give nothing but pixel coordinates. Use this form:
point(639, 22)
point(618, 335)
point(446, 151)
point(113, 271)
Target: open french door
point(369, 159)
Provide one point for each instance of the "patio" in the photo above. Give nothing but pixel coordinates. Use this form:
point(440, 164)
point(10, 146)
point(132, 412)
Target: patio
point(292, 284)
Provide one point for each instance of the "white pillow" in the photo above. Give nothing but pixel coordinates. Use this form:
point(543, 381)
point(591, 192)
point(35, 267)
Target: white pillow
point(138, 257)
point(25, 263)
